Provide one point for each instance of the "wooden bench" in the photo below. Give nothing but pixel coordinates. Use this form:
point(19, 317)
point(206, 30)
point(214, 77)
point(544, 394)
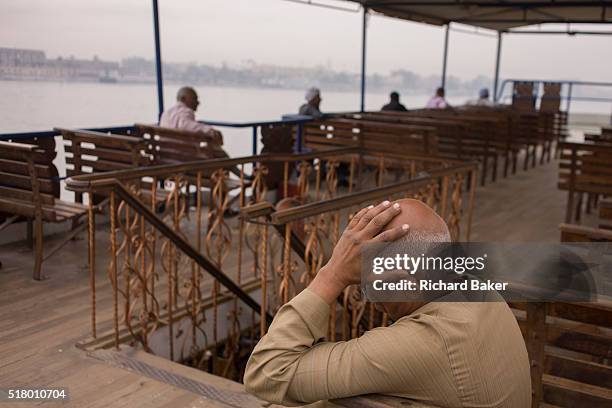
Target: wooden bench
point(374, 135)
point(584, 168)
point(603, 138)
point(512, 131)
point(172, 146)
point(569, 343)
point(390, 138)
point(605, 210)
point(457, 139)
point(580, 233)
point(27, 187)
point(93, 152)
point(569, 347)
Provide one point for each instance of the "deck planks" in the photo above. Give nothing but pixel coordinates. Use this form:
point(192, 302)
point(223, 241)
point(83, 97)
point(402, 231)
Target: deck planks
point(40, 322)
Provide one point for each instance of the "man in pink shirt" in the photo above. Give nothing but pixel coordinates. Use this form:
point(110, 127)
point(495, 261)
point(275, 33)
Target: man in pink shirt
point(437, 101)
point(182, 116)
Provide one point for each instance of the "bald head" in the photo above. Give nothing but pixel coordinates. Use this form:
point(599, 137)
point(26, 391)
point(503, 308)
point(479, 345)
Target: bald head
point(188, 96)
point(426, 229)
point(423, 221)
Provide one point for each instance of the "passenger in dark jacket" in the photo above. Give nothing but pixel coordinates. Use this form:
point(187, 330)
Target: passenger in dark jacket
point(394, 104)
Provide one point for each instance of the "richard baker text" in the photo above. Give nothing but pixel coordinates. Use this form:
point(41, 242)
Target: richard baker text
point(440, 285)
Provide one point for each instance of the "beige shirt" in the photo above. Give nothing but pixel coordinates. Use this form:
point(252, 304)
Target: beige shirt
point(443, 354)
point(180, 116)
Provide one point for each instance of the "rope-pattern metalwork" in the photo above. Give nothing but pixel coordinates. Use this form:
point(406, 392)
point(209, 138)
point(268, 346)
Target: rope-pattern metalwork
point(284, 287)
point(182, 298)
point(454, 217)
point(218, 240)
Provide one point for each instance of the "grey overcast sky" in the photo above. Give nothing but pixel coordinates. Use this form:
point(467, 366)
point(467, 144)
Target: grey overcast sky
point(285, 33)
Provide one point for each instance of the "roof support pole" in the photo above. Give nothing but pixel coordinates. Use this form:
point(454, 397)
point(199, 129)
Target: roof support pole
point(445, 56)
point(497, 62)
point(363, 56)
point(158, 61)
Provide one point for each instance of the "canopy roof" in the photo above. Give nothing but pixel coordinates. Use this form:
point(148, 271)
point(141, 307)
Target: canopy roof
point(494, 14)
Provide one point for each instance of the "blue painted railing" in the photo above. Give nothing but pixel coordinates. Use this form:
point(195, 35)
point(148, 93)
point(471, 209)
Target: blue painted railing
point(569, 97)
point(297, 120)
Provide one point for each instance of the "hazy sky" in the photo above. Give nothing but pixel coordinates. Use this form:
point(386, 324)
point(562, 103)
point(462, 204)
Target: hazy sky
point(280, 32)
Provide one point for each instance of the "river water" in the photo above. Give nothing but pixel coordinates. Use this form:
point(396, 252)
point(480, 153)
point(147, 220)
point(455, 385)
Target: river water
point(35, 106)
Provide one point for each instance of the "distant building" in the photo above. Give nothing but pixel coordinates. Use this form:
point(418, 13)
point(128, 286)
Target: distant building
point(16, 63)
point(17, 57)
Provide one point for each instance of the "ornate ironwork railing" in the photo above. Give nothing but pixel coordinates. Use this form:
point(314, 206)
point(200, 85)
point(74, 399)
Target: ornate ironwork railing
point(188, 281)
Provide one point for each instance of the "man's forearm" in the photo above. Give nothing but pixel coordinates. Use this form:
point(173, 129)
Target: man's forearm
point(272, 368)
point(327, 285)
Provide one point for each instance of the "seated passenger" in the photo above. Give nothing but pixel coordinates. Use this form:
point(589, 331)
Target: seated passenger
point(313, 101)
point(483, 99)
point(438, 353)
point(394, 104)
point(437, 101)
point(182, 115)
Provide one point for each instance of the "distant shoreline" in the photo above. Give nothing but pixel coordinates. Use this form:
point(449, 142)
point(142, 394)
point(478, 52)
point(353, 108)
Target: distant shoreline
point(416, 91)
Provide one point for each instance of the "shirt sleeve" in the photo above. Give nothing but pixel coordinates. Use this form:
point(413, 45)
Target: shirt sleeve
point(291, 366)
point(187, 122)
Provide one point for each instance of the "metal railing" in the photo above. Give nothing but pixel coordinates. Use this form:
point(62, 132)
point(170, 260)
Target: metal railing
point(569, 91)
point(297, 120)
point(173, 248)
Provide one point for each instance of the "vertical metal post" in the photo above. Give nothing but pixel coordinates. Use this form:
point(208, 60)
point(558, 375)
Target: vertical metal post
point(254, 141)
point(497, 61)
point(158, 61)
point(300, 129)
point(363, 57)
point(569, 97)
point(445, 56)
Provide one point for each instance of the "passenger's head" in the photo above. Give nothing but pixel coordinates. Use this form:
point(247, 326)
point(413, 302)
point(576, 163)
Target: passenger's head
point(313, 97)
point(440, 92)
point(188, 96)
point(484, 93)
point(426, 227)
point(394, 96)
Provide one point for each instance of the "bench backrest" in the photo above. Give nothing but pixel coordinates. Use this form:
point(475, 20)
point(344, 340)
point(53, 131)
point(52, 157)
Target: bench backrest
point(27, 180)
point(585, 168)
point(93, 152)
point(580, 233)
point(459, 137)
point(170, 146)
point(600, 139)
point(523, 97)
point(551, 99)
point(570, 344)
point(380, 136)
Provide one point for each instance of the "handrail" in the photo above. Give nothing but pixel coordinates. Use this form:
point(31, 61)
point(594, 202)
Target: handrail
point(569, 97)
point(337, 203)
point(53, 133)
point(85, 182)
point(292, 121)
point(187, 248)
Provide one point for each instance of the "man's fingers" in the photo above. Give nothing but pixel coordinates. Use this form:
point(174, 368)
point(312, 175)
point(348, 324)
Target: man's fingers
point(392, 234)
point(379, 221)
point(355, 220)
point(372, 212)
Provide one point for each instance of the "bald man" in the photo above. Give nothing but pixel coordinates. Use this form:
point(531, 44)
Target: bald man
point(437, 354)
point(182, 116)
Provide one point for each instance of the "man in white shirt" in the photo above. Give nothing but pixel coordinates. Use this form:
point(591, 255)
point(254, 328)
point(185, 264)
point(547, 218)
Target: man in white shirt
point(182, 116)
point(312, 105)
point(483, 99)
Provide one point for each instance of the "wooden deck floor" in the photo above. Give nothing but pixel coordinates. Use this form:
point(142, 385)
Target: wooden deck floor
point(40, 322)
